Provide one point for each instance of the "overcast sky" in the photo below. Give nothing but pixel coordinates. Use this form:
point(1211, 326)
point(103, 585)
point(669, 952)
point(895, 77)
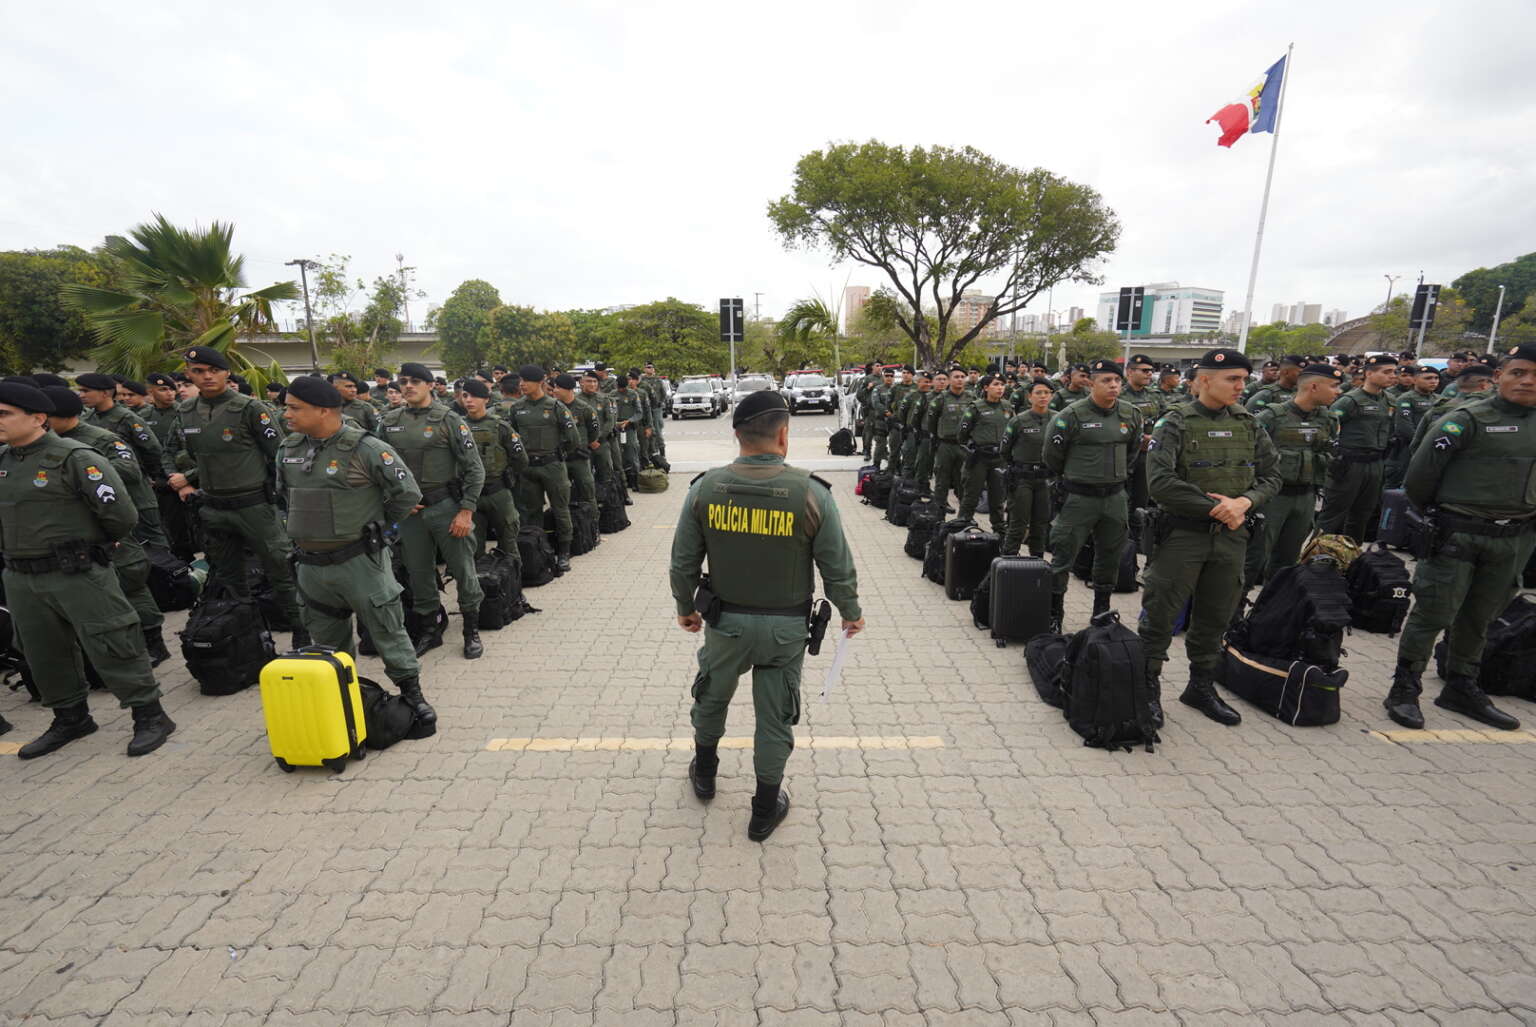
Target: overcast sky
point(582, 154)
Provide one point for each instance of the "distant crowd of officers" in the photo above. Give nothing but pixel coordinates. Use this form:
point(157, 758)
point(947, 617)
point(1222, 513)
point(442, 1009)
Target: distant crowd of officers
point(1236, 472)
point(320, 482)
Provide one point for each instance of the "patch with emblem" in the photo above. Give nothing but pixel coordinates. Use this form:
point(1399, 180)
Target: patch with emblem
point(427, 431)
point(1058, 439)
point(1501, 427)
point(106, 493)
point(40, 479)
point(1152, 443)
point(1124, 427)
point(332, 467)
point(93, 472)
point(387, 457)
point(1443, 443)
point(1451, 427)
point(122, 450)
point(227, 435)
point(400, 474)
point(266, 418)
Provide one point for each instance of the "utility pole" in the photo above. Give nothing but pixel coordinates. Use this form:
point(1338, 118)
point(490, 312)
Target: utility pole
point(1493, 336)
point(405, 297)
point(757, 306)
point(1410, 313)
point(1391, 281)
point(304, 267)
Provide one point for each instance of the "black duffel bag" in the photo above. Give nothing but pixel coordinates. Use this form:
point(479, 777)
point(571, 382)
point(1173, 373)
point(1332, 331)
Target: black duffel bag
point(1299, 693)
point(225, 642)
point(170, 579)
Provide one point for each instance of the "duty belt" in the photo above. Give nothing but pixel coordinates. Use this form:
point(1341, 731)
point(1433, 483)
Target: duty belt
point(1031, 472)
point(1297, 490)
point(1476, 525)
point(1361, 456)
point(238, 501)
point(802, 611)
point(49, 564)
point(332, 557)
point(492, 486)
point(1081, 489)
point(431, 497)
point(1204, 525)
point(543, 459)
point(580, 454)
point(951, 440)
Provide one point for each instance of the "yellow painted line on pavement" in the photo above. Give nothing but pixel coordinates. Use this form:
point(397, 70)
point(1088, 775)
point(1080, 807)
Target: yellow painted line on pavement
point(1456, 735)
point(9, 748)
point(686, 744)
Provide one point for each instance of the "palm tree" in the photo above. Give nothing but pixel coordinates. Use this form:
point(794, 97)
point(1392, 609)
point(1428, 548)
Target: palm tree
point(176, 288)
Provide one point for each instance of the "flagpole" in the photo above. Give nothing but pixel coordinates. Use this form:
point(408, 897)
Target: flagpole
point(1269, 177)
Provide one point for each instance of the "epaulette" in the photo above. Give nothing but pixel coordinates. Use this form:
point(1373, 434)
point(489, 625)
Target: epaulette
point(824, 482)
point(695, 479)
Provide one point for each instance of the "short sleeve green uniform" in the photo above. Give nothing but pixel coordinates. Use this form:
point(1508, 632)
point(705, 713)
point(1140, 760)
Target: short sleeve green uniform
point(943, 426)
point(981, 429)
point(1029, 493)
point(1092, 450)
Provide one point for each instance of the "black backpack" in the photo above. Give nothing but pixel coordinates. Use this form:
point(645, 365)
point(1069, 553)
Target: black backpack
point(611, 517)
point(1045, 656)
point(503, 588)
point(1302, 614)
point(170, 579)
point(583, 529)
point(387, 717)
point(272, 613)
point(225, 642)
point(877, 488)
point(1509, 653)
point(1379, 591)
point(841, 443)
point(1104, 679)
point(933, 556)
point(981, 604)
point(925, 513)
point(536, 555)
point(903, 495)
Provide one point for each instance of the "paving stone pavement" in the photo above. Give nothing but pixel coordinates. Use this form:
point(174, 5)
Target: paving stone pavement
point(992, 871)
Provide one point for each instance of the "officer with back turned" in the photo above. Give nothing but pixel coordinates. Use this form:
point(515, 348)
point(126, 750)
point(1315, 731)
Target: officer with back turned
point(503, 457)
point(1475, 479)
point(1303, 430)
point(1209, 465)
point(548, 432)
point(62, 509)
point(762, 525)
point(439, 450)
point(344, 488)
point(1367, 422)
point(586, 441)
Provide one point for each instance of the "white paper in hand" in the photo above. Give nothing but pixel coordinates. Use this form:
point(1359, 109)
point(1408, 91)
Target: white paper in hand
point(836, 670)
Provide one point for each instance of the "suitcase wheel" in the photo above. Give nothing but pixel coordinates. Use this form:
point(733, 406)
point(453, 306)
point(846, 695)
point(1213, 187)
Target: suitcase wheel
point(286, 767)
point(360, 751)
point(336, 765)
point(1002, 643)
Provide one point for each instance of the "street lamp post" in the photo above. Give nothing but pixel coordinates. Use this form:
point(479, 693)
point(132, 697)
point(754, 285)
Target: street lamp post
point(1493, 336)
point(304, 267)
point(1391, 281)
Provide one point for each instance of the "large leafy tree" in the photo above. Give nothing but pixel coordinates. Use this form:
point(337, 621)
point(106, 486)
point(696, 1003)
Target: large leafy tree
point(1480, 290)
point(515, 335)
point(1393, 326)
point(38, 330)
point(939, 222)
point(461, 324)
point(169, 288)
point(679, 338)
point(803, 338)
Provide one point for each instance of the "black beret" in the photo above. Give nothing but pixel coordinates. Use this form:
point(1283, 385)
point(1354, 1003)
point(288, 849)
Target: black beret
point(765, 401)
point(599, 366)
point(1106, 367)
point(1224, 360)
point(1294, 360)
point(1080, 367)
point(341, 376)
point(1189, 373)
point(1271, 363)
point(206, 355)
point(484, 375)
point(25, 397)
point(418, 371)
point(1041, 381)
point(888, 371)
point(1474, 371)
point(362, 388)
point(477, 388)
point(590, 373)
point(315, 391)
point(1523, 352)
point(564, 381)
point(161, 378)
point(1333, 374)
point(43, 378)
point(1381, 360)
point(987, 379)
point(137, 388)
point(1167, 369)
point(381, 372)
point(531, 373)
point(22, 379)
point(100, 382)
point(1140, 360)
point(66, 401)
point(634, 372)
point(649, 364)
point(498, 367)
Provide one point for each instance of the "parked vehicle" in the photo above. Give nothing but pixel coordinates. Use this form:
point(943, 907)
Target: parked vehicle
point(748, 384)
point(809, 390)
point(695, 396)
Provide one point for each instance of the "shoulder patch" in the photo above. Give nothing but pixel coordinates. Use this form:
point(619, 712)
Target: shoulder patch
point(1061, 422)
point(1451, 427)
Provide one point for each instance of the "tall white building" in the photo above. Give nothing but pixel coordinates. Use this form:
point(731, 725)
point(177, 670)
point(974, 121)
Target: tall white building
point(1074, 315)
point(1168, 309)
point(1334, 318)
point(854, 298)
point(1279, 313)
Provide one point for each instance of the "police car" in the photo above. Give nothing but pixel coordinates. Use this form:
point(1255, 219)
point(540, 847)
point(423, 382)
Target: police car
point(809, 389)
point(696, 396)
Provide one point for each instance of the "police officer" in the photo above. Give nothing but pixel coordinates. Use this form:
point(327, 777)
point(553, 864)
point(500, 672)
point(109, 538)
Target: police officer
point(548, 432)
point(981, 436)
point(1210, 466)
point(897, 438)
point(880, 413)
point(1029, 493)
point(229, 442)
point(1366, 429)
point(762, 525)
point(1473, 383)
point(910, 414)
point(587, 440)
point(1287, 374)
point(344, 488)
point(62, 509)
point(503, 457)
point(1413, 405)
point(360, 410)
point(99, 394)
point(607, 421)
point(943, 427)
point(1269, 374)
point(1093, 447)
point(862, 393)
point(656, 394)
point(1475, 476)
point(379, 394)
point(633, 414)
point(439, 450)
point(1075, 388)
point(1303, 430)
point(1139, 393)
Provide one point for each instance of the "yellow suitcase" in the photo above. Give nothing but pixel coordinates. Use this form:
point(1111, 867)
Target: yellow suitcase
point(313, 708)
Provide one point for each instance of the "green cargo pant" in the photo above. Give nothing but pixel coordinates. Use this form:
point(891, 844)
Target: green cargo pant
point(924, 470)
point(602, 462)
point(1461, 596)
point(424, 537)
point(364, 585)
point(58, 616)
point(537, 484)
point(882, 447)
point(1351, 497)
point(773, 648)
point(632, 452)
point(1103, 517)
point(583, 488)
point(132, 569)
point(228, 533)
point(908, 462)
point(499, 511)
point(1194, 565)
point(867, 433)
point(895, 442)
point(1288, 520)
point(948, 472)
point(614, 446)
point(985, 473)
point(1029, 514)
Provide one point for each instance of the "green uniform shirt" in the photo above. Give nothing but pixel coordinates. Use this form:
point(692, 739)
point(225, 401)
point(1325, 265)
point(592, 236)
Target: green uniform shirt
point(57, 490)
point(1303, 440)
point(1066, 397)
point(364, 413)
point(229, 441)
point(547, 427)
point(1194, 448)
point(1412, 406)
point(1024, 438)
point(631, 406)
point(1480, 461)
point(1094, 446)
point(126, 423)
point(1366, 422)
point(108, 445)
point(589, 423)
point(1269, 395)
point(1148, 402)
point(163, 422)
point(500, 446)
point(944, 413)
point(438, 447)
point(336, 486)
point(983, 423)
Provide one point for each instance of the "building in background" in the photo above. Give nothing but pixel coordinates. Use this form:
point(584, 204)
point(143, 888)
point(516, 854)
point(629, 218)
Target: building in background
point(854, 298)
point(1169, 309)
point(1299, 313)
point(1074, 315)
point(1279, 314)
point(1233, 325)
point(967, 313)
point(1334, 318)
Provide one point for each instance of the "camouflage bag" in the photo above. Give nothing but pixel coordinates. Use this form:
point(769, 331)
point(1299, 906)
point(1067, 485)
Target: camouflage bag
point(1340, 550)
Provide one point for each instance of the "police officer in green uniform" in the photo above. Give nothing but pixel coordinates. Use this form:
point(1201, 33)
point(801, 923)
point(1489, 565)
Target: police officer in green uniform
point(344, 488)
point(1366, 430)
point(907, 413)
point(1149, 402)
point(922, 467)
point(1029, 487)
point(1303, 430)
point(1282, 388)
point(1210, 466)
point(440, 453)
point(607, 419)
point(762, 525)
point(229, 442)
point(503, 457)
point(62, 510)
point(1472, 384)
point(164, 419)
point(360, 410)
point(1269, 374)
point(379, 394)
point(656, 395)
point(1093, 446)
point(588, 424)
point(548, 432)
point(880, 413)
point(1075, 388)
point(981, 436)
point(862, 393)
point(943, 427)
point(1168, 384)
point(1413, 405)
point(98, 392)
point(160, 412)
point(896, 440)
point(1475, 478)
point(633, 414)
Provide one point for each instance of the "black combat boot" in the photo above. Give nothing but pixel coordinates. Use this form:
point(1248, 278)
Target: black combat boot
point(1100, 601)
point(151, 727)
point(1155, 699)
point(473, 650)
point(69, 723)
point(1058, 611)
point(769, 806)
point(410, 691)
point(702, 770)
point(1402, 701)
point(5, 725)
point(563, 558)
point(154, 647)
point(1463, 695)
point(426, 630)
point(1201, 694)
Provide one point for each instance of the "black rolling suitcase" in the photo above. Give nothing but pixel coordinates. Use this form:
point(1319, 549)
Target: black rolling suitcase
point(903, 495)
point(967, 559)
point(1021, 598)
point(921, 519)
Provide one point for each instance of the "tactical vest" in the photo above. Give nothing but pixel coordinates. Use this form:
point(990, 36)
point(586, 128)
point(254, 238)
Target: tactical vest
point(626, 405)
point(1270, 395)
point(161, 422)
point(1494, 473)
point(538, 422)
point(1369, 424)
point(488, 441)
point(1413, 405)
point(946, 412)
point(1301, 439)
point(1097, 453)
point(421, 437)
point(229, 461)
point(39, 504)
point(988, 421)
point(325, 510)
point(1148, 402)
point(757, 533)
point(581, 411)
point(1028, 444)
point(1217, 453)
